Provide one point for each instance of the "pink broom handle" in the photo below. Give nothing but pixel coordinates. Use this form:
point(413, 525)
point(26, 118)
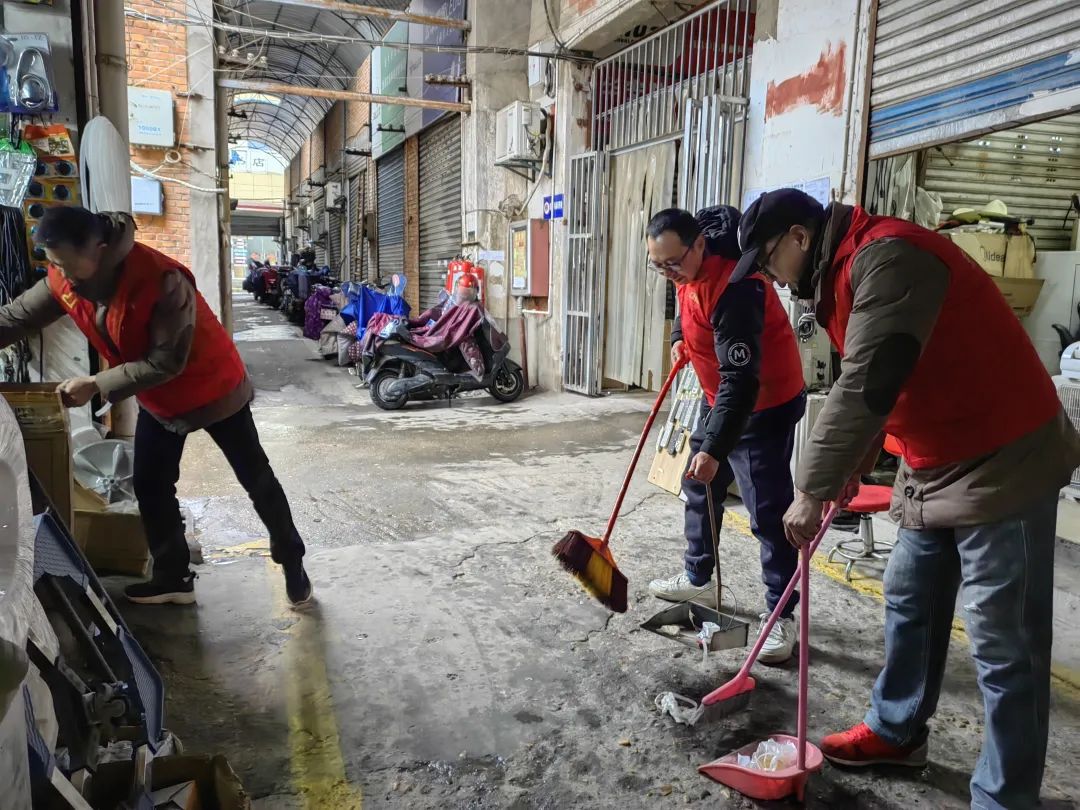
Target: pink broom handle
point(675, 369)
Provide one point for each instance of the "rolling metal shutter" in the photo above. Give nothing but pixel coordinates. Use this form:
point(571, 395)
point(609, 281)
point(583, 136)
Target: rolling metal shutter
point(241, 224)
point(947, 70)
point(356, 228)
point(440, 205)
point(390, 214)
point(1033, 169)
point(318, 229)
point(335, 244)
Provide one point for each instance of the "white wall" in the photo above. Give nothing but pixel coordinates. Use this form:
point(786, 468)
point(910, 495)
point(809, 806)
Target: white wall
point(805, 100)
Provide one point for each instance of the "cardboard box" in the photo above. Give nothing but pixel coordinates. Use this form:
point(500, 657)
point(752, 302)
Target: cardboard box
point(44, 423)
point(216, 784)
point(184, 796)
point(113, 542)
point(1020, 293)
point(999, 255)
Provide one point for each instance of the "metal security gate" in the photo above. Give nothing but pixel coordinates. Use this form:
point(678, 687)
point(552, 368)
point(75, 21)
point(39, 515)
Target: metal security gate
point(687, 84)
point(440, 205)
point(390, 214)
point(947, 70)
point(357, 243)
point(1034, 169)
point(583, 281)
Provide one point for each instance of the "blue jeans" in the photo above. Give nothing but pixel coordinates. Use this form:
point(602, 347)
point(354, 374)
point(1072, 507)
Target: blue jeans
point(761, 463)
point(1006, 571)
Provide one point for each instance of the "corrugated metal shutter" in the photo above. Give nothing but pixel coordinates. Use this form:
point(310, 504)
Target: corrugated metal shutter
point(356, 228)
point(440, 205)
point(335, 243)
point(318, 229)
point(241, 224)
point(946, 70)
point(390, 213)
point(1033, 169)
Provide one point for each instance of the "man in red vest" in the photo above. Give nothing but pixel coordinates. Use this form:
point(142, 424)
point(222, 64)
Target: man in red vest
point(143, 314)
point(933, 356)
point(740, 343)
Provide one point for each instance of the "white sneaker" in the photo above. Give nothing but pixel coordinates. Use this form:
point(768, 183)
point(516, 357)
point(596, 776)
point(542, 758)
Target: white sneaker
point(680, 589)
point(780, 644)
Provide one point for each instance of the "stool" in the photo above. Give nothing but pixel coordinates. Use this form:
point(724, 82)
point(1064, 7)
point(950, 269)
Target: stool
point(870, 499)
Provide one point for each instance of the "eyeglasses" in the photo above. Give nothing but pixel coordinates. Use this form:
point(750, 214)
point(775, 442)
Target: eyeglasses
point(763, 263)
point(663, 268)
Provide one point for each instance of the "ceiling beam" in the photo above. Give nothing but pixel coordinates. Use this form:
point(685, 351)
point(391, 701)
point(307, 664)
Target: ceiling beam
point(278, 88)
point(356, 10)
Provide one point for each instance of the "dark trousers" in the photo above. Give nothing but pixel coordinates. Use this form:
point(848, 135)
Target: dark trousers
point(157, 469)
point(761, 463)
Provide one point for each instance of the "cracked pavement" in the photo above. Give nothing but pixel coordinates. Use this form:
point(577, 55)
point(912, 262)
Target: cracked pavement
point(450, 662)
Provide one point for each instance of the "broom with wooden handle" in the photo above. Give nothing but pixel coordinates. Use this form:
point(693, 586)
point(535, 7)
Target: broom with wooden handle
point(589, 558)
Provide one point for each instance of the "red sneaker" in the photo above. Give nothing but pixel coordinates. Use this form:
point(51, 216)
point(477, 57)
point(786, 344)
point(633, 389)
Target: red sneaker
point(859, 747)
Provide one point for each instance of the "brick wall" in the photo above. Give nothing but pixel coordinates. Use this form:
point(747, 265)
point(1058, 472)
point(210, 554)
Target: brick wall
point(318, 151)
point(359, 115)
point(334, 126)
point(157, 60)
point(305, 160)
point(412, 221)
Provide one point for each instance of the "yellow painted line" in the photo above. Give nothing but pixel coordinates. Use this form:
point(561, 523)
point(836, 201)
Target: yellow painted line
point(1065, 680)
point(316, 761)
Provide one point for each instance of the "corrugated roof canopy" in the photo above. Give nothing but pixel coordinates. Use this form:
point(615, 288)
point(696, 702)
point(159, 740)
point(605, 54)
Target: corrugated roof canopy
point(285, 125)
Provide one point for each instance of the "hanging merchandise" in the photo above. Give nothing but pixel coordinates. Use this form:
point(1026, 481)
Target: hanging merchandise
point(15, 279)
point(55, 181)
point(26, 75)
point(17, 165)
point(106, 178)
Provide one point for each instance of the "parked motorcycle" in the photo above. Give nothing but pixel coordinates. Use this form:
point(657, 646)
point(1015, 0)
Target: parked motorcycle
point(400, 372)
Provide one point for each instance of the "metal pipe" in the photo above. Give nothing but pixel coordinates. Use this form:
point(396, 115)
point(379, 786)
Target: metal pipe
point(279, 88)
point(352, 9)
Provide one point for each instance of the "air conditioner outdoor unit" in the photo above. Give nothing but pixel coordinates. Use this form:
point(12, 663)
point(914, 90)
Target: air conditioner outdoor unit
point(517, 128)
point(334, 198)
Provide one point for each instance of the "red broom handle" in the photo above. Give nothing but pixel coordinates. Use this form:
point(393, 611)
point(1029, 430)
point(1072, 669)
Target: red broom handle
point(675, 369)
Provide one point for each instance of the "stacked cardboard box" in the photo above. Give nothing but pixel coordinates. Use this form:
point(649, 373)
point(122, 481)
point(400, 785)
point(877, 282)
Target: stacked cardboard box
point(1010, 260)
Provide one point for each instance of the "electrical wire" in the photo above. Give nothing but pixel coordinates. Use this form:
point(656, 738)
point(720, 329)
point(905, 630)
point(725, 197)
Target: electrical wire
point(317, 38)
point(16, 277)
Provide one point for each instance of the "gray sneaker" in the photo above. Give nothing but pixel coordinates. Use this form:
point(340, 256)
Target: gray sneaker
point(680, 589)
point(780, 644)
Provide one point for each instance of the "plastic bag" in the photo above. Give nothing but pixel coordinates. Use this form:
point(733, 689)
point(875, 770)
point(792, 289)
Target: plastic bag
point(16, 171)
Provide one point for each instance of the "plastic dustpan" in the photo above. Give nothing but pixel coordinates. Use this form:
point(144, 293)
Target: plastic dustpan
point(764, 785)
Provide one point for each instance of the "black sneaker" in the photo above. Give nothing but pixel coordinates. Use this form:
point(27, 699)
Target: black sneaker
point(163, 591)
point(297, 584)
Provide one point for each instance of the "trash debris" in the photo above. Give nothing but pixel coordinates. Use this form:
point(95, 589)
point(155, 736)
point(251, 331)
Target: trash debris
point(681, 709)
point(704, 637)
point(626, 742)
point(770, 756)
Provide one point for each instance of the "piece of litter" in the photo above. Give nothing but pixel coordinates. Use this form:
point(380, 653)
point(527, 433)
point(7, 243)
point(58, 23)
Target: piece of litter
point(672, 630)
point(770, 755)
point(665, 790)
point(704, 636)
point(681, 709)
point(625, 743)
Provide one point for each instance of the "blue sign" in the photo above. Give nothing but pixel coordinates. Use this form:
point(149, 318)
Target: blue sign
point(553, 207)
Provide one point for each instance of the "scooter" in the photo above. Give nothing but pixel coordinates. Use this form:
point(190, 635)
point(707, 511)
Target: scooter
point(400, 372)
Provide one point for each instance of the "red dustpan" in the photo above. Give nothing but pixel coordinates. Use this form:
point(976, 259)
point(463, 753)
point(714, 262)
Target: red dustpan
point(772, 785)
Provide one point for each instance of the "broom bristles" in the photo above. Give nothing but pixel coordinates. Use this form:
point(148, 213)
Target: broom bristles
point(590, 561)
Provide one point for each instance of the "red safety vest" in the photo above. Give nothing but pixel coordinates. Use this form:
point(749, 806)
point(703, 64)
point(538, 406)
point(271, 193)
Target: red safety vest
point(979, 383)
point(780, 373)
point(214, 368)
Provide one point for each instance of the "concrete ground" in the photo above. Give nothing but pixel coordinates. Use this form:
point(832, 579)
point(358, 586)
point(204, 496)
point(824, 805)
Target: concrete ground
point(450, 663)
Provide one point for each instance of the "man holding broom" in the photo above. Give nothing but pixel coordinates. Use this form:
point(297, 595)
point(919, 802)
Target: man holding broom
point(933, 356)
point(739, 340)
